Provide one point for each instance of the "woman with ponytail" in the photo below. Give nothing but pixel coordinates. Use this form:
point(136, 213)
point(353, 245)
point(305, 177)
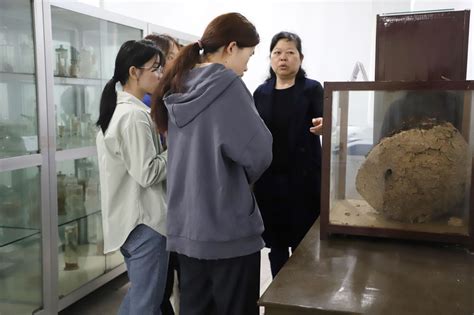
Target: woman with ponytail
point(218, 146)
point(132, 167)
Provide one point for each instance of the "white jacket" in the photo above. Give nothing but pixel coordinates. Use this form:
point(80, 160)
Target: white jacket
point(132, 169)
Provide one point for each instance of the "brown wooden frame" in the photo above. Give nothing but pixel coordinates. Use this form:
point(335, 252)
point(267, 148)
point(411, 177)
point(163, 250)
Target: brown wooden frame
point(425, 46)
point(326, 227)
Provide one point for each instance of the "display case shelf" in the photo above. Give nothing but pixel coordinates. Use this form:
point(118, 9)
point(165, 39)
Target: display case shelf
point(20, 271)
point(69, 218)
point(77, 153)
point(78, 81)
point(17, 77)
point(10, 235)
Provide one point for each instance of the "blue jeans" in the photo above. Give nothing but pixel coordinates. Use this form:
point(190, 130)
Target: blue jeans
point(147, 264)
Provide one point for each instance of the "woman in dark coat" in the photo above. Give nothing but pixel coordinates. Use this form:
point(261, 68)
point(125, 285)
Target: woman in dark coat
point(288, 193)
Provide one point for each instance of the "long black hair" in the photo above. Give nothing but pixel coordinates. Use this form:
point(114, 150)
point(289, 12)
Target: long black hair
point(132, 53)
point(291, 37)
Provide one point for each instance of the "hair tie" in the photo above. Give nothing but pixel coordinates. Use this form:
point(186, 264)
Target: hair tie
point(199, 42)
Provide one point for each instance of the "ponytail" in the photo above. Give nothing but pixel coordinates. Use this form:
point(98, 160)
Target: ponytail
point(221, 31)
point(108, 102)
point(172, 82)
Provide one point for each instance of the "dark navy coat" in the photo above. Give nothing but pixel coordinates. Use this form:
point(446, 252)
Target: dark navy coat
point(290, 203)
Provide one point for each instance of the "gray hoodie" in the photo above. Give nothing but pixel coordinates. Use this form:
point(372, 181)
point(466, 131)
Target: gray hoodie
point(217, 146)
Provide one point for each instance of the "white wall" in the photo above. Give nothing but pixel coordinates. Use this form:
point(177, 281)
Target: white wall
point(335, 33)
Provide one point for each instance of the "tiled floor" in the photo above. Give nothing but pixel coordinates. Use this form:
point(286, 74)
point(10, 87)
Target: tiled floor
point(107, 299)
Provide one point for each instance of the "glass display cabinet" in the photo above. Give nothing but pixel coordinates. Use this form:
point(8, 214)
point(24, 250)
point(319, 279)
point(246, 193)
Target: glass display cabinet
point(82, 43)
point(18, 113)
point(22, 162)
point(397, 160)
point(84, 50)
point(20, 241)
point(55, 58)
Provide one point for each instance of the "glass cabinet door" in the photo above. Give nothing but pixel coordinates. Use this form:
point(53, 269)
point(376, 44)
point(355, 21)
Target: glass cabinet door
point(21, 278)
point(77, 84)
point(20, 241)
point(80, 245)
point(84, 49)
point(116, 35)
point(18, 108)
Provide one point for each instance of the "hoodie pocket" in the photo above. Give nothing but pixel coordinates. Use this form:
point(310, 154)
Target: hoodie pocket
point(231, 220)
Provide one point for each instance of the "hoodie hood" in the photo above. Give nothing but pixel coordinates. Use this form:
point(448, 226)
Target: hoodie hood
point(203, 85)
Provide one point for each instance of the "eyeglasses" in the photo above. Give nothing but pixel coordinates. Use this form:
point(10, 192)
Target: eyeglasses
point(153, 68)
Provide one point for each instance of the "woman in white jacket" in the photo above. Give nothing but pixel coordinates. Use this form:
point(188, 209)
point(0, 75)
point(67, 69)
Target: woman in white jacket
point(132, 166)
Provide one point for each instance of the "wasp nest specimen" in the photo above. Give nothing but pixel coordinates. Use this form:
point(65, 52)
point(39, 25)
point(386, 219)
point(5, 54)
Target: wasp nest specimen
point(416, 175)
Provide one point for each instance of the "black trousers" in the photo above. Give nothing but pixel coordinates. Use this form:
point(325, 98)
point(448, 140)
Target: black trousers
point(166, 307)
point(278, 256)
point(219, 287)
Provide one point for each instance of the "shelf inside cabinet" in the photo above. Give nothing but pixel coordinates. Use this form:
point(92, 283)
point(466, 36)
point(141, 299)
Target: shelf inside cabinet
point(20, 271)
point(91, 264)
point(68, 218)
point(76, 153)
point(78, 81)
point(10, 235)
point(17, 77)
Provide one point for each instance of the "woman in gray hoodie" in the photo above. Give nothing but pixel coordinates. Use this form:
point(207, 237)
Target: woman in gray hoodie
point(218, 146)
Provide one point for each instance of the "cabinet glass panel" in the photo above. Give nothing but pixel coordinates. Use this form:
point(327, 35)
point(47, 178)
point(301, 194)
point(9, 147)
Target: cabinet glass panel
point(401, 160)
point(76, 113)
point(18, 107)
point(78, 189)
point(117, 34)
point(20, 241)
point(77, 84)
point(80, 246)
point(84, 56)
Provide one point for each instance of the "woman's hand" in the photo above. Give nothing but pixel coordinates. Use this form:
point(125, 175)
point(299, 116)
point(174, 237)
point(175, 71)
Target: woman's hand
point(317, 128)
